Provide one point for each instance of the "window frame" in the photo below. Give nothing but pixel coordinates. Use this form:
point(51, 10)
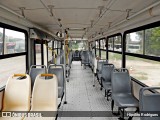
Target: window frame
point(4, 56)
point(144, 56)
point(118, 52)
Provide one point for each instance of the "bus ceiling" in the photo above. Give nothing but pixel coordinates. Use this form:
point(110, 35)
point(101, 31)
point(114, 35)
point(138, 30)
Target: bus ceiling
point(84, 19)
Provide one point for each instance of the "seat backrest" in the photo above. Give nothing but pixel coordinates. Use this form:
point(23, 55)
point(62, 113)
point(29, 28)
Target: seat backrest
point(17, 93)
point(85, 56)
point(121, 81)
point(59, 72)
point(76, 53)
point(107, 69)
point(36, 70)
point(149, 102)
point(100, 65)
point(45, 93)
point(90, 56)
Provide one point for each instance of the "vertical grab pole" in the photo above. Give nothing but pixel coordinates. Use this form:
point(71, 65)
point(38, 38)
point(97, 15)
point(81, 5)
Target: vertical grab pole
point(65, 34)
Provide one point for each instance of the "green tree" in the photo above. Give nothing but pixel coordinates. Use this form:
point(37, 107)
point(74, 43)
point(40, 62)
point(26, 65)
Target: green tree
point(153, 41)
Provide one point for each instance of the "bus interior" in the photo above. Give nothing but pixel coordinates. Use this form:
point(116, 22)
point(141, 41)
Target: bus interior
point(80, 59)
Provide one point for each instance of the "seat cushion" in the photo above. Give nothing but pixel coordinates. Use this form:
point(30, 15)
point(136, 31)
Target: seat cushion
point(106, 85)
point(125, 100)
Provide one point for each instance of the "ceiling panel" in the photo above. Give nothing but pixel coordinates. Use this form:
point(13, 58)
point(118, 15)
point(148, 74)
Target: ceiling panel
point(136, 5)
point(76, 13)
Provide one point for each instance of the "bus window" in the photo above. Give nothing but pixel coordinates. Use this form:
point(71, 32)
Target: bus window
point(134, 42)
point(117, 43)
point(147, 71)
point(14, 42)
point(1, 41)
point(38, 54)
point(110, 44)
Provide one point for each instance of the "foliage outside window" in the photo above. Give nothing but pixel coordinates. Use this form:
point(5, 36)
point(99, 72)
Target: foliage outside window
point(152, 41)
point(78, 45)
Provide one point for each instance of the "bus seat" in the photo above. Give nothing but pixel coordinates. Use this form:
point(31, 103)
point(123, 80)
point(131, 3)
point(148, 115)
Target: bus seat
point(121, 90)
point(106, 78)
point(99, 68)
point(36, 70)
point(44, 95)
point(85, 58)
point(17, 94)
point(58, 70)
point(149, 102)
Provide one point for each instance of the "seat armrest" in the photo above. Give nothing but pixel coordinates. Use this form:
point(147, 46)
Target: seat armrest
point(102, 79)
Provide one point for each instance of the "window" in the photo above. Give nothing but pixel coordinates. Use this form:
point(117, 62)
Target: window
point(152, 41)
point(1, 41)
point(97, 44)
point(115, 59)
point(50, 51)
point(78, 45)
point(14, 42)
point(97, 52)
point(58, 44)
point(103, 54)
point(134, 42)
point(117, 43)
point(103, 44)
point(147, 71)
point(110, 43)
point(11, 66)
point(38, 54)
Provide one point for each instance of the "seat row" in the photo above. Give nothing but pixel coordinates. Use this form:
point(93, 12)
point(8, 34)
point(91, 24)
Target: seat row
point(117, 84)
point(58, 70)
point(60, 60)
point(18, 96)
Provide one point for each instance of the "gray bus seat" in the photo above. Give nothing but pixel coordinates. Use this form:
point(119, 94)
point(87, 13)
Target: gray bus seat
point(107, 69)
point(36, 70)
point(17, 94)
point(85, 58)
point(99, 68)
point(149, 102)
point(44, 96)
point(90, 58)
point(76, 55)
point(122, 94)
point(58, 70)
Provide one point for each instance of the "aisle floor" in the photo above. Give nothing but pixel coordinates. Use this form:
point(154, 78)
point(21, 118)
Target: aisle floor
point(82, 97)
